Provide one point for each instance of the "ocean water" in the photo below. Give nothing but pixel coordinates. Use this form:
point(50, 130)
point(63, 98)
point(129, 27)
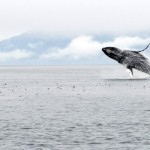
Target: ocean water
point(73, 108)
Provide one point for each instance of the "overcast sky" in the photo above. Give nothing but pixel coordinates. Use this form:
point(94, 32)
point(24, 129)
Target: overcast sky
point(90, 25)
point(74, 17)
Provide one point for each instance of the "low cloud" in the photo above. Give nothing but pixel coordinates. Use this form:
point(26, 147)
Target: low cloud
point(35, 45)
point(80, 47)
point(126, 42)
point(87, 47)
point(15, 55)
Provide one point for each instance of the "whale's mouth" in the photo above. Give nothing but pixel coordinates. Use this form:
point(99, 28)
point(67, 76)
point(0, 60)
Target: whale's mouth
point(106, 50)
point(103, 49)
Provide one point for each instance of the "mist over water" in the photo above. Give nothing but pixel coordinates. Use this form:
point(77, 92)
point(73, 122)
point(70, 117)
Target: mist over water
point(73, 108)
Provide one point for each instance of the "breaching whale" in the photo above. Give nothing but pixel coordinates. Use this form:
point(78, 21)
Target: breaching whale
point(130, 59)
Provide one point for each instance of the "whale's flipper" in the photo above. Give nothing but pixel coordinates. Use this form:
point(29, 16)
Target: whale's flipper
point(130, 71)
point(144, 48)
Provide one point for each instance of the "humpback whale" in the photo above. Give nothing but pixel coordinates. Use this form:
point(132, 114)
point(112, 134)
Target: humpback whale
point(130, 59)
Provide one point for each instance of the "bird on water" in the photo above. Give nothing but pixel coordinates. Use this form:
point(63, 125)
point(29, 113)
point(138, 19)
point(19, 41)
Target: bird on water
point(130, 59)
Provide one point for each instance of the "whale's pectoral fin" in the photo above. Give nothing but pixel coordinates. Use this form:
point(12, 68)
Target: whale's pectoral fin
point(130, 70)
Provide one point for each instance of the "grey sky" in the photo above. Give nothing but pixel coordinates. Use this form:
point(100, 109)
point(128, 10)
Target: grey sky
point(74, 16)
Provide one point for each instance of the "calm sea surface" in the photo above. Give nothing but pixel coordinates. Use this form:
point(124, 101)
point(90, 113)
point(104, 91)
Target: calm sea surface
point(73, 108)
